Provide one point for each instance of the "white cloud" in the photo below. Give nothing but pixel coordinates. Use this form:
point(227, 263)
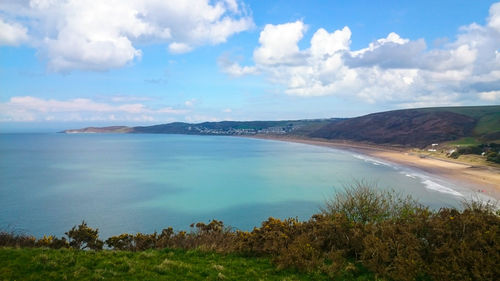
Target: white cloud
point(233, 68)
point(179, 48)
point(490, 96)
point(391, 69)
point(494, 18)
point(278, 43)
point(12, 34)
point(327, 44)
point(100, 35)
point(29, 108)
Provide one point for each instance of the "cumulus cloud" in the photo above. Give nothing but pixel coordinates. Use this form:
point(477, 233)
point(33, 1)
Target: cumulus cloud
point(100, 35)
point(278, 43)
point(12, 34)
point(29, 108)
point(390, 52)
point(391, 69)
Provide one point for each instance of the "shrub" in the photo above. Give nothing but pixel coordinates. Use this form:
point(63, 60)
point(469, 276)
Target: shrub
point(84, 237)
point(471, 150)
point(365, 203)
point(124, 242)
point(128, 242)
point(394, 250)
point(300, 254)
point(52, 242)
point(213, 236)
point(493, 156)
point(144, 241)
point(464, 245)
point(12, 239)
point(273, 236)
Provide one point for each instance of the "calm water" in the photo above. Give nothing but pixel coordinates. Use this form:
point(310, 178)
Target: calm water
point(143, 183)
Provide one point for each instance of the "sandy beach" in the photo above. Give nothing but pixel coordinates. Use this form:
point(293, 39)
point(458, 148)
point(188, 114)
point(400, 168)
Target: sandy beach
point(484, 179)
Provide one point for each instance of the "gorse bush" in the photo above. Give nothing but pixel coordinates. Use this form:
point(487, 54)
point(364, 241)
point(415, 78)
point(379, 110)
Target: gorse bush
point(52, 242)
point(361, 229)
point(364, 203)
point(213, 236)
point(84, 237)
point(13, 239)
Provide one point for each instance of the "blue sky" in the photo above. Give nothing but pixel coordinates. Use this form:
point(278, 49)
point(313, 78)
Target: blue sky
point(81, 63)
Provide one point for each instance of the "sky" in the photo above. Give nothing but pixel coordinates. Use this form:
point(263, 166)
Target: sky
point(76, 63)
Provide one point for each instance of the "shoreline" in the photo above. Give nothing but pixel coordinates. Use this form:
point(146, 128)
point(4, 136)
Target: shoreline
point(483, 179)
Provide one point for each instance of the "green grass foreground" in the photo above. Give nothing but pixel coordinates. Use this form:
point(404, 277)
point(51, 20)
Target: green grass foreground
point(69, 264)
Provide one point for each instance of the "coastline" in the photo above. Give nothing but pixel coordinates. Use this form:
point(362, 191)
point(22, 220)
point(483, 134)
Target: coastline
point(483, 179)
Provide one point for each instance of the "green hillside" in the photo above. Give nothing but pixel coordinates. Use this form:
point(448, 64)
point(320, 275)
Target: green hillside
point(419, 127)
point(472, 111)
point(487, 117)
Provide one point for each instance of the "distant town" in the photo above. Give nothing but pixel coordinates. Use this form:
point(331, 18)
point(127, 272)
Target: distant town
point(234, 131)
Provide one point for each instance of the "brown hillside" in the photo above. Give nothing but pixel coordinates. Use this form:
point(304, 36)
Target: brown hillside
point(403, 127)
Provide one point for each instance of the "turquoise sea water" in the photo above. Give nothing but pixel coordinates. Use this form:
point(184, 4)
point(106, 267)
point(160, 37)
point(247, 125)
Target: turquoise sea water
point(142, 183)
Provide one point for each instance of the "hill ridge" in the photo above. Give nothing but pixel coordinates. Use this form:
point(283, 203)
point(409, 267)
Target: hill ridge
point(416, 127)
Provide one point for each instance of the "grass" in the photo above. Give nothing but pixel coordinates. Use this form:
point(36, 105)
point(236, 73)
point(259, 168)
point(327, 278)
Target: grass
point(467, 141)
point(66, 264)
point(488, 124)
point(488, 117)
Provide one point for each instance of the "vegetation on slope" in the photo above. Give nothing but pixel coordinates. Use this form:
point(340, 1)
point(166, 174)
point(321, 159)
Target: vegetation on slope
point(403, 127)
point(491, 152)
point(487, 118)
point(393, 237)
point(418, 127)
point(292, 127)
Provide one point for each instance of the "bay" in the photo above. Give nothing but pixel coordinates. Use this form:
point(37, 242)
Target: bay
point(128, 183)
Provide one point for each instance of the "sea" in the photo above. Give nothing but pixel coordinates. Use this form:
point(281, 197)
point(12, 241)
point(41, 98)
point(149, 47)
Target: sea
point(129, 183)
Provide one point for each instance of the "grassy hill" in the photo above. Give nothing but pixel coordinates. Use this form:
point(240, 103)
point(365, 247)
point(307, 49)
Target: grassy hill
point(418, 127)
point(487, 119)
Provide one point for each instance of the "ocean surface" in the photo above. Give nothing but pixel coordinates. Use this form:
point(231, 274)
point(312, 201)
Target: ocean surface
point(142, 183)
